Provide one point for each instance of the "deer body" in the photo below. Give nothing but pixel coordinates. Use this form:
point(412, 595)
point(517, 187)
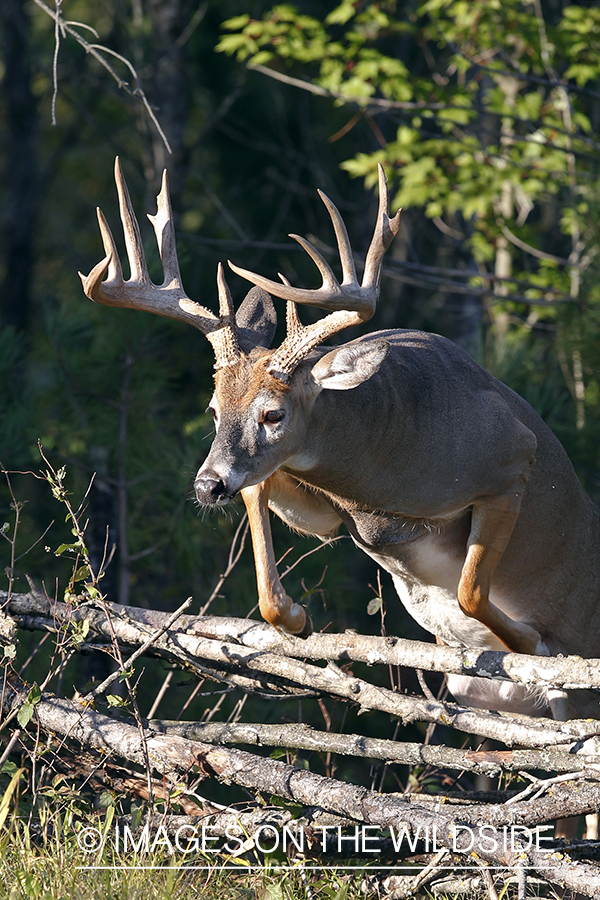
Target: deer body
point(427, 547)
point(442, 474)
point(374, 457)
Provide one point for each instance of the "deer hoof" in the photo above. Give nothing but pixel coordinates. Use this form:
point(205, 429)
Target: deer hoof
point(308, 628)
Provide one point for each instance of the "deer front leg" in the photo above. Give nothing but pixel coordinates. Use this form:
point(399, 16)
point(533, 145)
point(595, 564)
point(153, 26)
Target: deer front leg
point(492, 524)
point(275, 606)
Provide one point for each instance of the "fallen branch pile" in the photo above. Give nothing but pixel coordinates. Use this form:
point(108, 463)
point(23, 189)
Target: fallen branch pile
point(254, 658)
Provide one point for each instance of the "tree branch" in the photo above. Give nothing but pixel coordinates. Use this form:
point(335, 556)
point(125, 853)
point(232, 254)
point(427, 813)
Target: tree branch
point(259, 667)
point(96, 50)
point(304, 737)
point(461, 832)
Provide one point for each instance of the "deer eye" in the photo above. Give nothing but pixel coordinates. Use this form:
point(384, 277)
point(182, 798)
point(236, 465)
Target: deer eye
point(273, 415)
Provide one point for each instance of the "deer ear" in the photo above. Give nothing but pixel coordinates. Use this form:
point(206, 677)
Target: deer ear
point(349, 365)
point(256, 320)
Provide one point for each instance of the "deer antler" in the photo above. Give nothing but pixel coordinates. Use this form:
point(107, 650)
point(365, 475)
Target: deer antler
point(139, 292)
point(351, 302)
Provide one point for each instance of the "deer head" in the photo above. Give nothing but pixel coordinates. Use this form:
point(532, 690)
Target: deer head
point(261, 395)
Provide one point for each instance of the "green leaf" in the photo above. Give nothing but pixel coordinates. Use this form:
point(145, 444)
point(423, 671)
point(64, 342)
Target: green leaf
point(25, 713)
point(236, 23)
point(113, 700)
point(374, 605)
point(110, 814)
point(35, 695)
point(136, 815)
point(341, 14)
point(106, 800)
point(64, 547)
point(80, 630)
point(5, 801)
point(261, 59)
point(582, 73)
point(458, 116)
point(236, 43)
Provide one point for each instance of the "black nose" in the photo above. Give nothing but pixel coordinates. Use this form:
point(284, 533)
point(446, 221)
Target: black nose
point(210, 488)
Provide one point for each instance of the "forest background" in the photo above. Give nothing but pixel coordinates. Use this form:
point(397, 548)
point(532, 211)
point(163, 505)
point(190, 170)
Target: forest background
point(486, 117)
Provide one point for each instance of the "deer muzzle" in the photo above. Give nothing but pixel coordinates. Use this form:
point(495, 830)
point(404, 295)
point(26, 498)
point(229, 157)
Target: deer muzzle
point(210, 489)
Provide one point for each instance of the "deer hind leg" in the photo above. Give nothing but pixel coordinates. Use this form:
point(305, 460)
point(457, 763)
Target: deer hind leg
point(302, 510)
point(492, 523)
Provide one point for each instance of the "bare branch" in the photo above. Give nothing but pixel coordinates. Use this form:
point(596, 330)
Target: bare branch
point(379, 103)
point(533, 251)
point(459, 831)
point(304, 737)
point(96, 50)
point(217, 656)
point(55, 60)
point(127, 664)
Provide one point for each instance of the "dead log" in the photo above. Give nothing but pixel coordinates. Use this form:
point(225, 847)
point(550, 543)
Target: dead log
point(466, 832)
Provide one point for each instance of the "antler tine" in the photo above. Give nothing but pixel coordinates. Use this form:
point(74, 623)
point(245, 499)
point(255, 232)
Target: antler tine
point(301, 339)
point(131, 230)
point(114, 263)
point(350, 295)
point(92, 283)
point(330, 282)
point(343, 242)
point(138, 292)
point(224, 339)
point(328, 296)
point(162, 223)
point(385, 231)
point(351, 303)
point(331, 295)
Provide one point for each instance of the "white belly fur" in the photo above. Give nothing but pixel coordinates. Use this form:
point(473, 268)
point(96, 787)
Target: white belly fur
point(436, 609)
point(503, 696)
point(426, 580)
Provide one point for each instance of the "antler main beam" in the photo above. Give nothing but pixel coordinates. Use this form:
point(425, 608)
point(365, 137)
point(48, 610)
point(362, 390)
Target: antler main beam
point(349, 295)
point(349, 303)
point(139, 292)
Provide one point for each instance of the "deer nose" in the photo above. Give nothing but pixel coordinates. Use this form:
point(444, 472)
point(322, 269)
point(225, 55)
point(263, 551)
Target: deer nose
point(210, 488)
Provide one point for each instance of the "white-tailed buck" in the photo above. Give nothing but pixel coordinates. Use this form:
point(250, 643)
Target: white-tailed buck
point(442, 474)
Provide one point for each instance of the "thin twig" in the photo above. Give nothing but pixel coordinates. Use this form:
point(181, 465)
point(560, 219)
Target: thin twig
point(9, 747)
point(55, 60)
point(427, 873)
point(127, 664)
point(96, 50)
point(235, 553)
